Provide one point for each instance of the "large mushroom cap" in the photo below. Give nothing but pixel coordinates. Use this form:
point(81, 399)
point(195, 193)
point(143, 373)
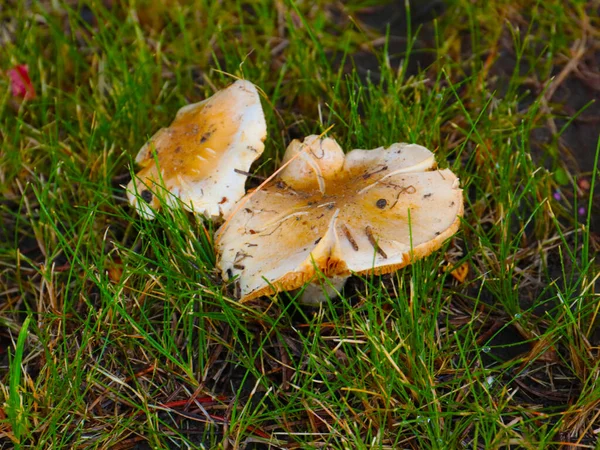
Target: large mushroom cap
point(377, 212)
point(196, 157)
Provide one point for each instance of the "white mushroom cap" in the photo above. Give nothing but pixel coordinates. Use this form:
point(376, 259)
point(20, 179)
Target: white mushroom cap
point(320, 159)
point(196, 157)
point(381, 210)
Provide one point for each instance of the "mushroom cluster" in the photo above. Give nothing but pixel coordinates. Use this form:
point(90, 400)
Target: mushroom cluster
point(324, 216)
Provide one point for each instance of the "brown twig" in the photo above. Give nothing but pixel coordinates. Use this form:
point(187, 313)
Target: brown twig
point(373, 242)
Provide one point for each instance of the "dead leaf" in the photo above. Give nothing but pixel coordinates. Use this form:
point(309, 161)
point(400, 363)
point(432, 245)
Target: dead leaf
point(20, 82)
point(461, 272)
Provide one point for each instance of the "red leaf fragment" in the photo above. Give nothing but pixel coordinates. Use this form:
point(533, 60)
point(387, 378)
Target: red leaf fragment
point(20, 82)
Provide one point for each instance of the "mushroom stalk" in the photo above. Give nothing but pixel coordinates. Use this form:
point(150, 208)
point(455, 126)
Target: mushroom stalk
point(317, 292)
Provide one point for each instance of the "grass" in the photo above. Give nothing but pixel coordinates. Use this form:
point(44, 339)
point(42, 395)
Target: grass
point(119, 333)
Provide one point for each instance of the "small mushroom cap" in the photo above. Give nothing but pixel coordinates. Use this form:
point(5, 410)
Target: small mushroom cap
point(383, 209)
point(195, 158)
point(320, 159)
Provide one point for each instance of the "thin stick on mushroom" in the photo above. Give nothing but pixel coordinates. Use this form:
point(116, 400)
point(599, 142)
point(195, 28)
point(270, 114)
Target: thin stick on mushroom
point(349, 237)
point(373, 242)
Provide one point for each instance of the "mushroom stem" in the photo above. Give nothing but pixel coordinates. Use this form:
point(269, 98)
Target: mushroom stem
point(321, 290)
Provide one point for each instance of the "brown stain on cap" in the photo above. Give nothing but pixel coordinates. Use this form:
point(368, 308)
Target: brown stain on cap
point(186, 148)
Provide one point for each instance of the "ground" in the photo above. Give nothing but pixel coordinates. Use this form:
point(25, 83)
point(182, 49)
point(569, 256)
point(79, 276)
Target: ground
point(118, 332)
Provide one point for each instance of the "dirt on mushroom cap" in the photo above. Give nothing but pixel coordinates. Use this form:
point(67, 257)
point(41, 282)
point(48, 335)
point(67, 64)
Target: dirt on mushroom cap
point(195, 158)
point(385, 208)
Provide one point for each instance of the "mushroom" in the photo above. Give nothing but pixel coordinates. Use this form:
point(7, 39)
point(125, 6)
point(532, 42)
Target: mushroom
point(370, 211)
point(203, 156)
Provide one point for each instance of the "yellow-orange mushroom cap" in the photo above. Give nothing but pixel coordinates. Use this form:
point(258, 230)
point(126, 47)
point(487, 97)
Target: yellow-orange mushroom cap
point(369, 211)
point(196, 157)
